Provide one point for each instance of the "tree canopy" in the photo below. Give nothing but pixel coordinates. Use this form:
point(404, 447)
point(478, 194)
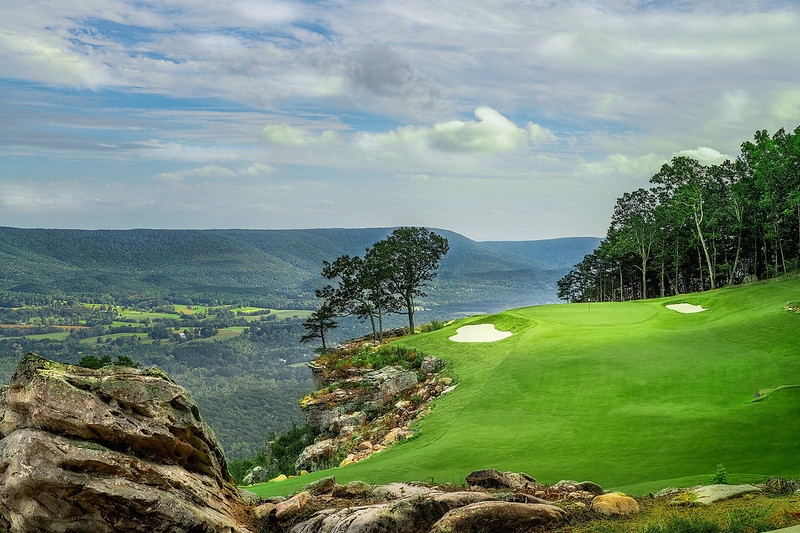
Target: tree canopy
point(699, 226)
point(389, 278)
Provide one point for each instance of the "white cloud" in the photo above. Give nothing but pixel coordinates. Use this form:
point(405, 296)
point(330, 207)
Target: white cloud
point(287, 135)
point(257, 169)
point(538, 134)
point(620, 164)
point(492, 133)
point(705, 155)
point(216, 171)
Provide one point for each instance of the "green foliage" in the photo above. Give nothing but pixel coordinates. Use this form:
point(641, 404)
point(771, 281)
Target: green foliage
point(720, 475)
point(94, 362)
point(678, 524)
point(275, 269)
point(285, 449)
point(433, 325)
point(375, 358)
point(748, 521)
point(277, 456)
point(699, 227)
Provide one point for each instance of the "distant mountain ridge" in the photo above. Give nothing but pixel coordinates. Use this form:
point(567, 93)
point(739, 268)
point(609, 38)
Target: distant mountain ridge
point(279, 268)
point(551, 253)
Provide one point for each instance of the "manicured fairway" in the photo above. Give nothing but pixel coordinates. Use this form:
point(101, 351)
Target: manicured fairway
point(631, 395)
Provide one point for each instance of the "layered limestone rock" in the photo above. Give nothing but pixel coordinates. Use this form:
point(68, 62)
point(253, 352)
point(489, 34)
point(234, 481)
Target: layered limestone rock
point(415, 508)
point(115, 449)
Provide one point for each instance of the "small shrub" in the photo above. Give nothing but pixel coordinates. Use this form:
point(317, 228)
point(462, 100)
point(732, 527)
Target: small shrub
point(720, 476)
point(434, 325)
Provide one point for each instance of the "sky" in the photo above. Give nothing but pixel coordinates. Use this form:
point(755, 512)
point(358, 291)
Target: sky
point(497, 119)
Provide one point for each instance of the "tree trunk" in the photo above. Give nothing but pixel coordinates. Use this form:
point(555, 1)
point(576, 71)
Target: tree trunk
point(736, 258)
point(705, 248)
point(700, 270)
point(372, 323)
point(644, 278)
point(410, 305)
point(380, 321)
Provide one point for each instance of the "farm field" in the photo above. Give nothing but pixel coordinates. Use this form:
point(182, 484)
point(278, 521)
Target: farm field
point(631, 395)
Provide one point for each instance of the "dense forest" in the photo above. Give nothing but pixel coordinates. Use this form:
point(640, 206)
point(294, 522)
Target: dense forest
point(278, 269)
point(699, 227)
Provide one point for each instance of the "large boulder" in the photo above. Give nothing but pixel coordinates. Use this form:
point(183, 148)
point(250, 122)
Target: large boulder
point(498, 517)
point(115, 449)
point(494, 479)
point(432, 364)
point(714, 493)
point(316, 456)
point(614, 504)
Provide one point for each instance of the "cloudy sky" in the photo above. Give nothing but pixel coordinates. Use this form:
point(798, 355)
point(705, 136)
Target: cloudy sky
point(498, 119)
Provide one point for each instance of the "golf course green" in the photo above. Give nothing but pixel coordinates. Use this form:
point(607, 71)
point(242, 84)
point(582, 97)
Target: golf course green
point(631, 395)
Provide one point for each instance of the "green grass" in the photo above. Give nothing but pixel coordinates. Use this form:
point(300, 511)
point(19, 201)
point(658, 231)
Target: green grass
point(630, 395)
point(146, 314)
point(247, 309)
point(113, 336)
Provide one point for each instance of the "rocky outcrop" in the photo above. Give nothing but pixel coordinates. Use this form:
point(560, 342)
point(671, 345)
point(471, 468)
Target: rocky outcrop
point(316, 456)
point(414, 508)
point(366, 412)
point(115, 449)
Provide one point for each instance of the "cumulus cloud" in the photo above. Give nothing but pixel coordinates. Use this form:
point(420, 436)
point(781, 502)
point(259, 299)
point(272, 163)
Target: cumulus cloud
point(492, 133)
point(705, 155)
point(215, 172)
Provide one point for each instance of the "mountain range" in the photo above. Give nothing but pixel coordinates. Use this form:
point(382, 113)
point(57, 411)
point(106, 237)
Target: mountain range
point(275, 268)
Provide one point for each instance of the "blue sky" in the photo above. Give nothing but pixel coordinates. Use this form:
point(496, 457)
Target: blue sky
point(500, 120)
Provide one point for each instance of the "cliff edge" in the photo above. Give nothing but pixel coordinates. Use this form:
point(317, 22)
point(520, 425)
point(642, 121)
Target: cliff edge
point(115, 449)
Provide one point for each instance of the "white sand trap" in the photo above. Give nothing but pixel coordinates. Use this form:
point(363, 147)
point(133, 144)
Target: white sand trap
point(479, 333)
point(686, 308)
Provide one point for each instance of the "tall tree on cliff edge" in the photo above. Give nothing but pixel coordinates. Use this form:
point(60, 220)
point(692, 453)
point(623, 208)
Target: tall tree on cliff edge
point(318, 324)
point(413, 255)
point(361, 289)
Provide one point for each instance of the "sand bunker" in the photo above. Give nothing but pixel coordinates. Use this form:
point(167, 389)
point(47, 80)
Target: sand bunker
point(686, 308)
point(479, 333)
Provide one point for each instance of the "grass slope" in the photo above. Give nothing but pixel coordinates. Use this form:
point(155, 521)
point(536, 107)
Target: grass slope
point(630, 395)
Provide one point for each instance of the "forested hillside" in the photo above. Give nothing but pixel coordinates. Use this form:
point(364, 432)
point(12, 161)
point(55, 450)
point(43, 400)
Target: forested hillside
point(270, 268)
point(700, 227)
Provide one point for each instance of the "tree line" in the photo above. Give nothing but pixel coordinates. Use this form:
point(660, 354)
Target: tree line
point(389, 278)
point(698, 227)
